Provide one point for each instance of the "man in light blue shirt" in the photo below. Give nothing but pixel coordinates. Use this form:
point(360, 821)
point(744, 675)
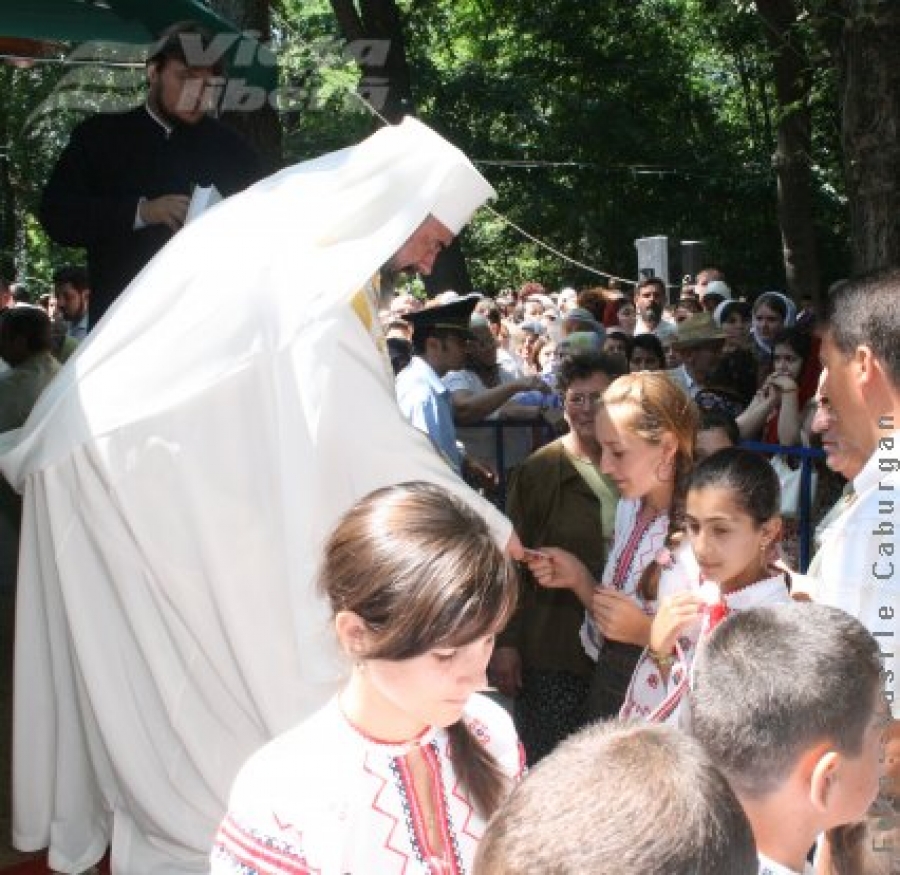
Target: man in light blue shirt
point(440, 336)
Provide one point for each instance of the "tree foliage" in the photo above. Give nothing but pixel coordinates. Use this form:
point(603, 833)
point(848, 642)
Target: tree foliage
point(597, 123)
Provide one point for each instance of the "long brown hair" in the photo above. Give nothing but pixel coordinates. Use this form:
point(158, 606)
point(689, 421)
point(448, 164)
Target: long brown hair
point(422, 570)
point(650, 405)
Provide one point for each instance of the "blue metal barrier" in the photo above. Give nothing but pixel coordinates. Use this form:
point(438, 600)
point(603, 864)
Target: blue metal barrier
point(804, 520)
point(546, 433)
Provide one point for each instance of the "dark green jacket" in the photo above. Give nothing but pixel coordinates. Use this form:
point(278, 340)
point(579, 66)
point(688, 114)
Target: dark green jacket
point(551, 506)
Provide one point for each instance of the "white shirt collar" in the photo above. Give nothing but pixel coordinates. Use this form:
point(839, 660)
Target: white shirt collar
point(872, 473)
point(770, 867)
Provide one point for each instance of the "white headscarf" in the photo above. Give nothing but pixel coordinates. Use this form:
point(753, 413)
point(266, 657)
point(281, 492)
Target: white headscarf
point(179, 477)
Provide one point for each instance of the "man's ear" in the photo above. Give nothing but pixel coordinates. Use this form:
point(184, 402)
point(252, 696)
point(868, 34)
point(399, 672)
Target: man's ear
point(824, 767)
point(353, 634)
point(864, 365)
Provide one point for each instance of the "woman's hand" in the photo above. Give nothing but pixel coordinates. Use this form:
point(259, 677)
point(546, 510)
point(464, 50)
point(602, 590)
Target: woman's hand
point(783, 384)
point(619, 618)
point(554, 568)
point(675, 614)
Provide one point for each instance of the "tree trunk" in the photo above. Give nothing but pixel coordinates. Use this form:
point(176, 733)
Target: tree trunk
point(869, 66)
point(793, 147)
point(8, 212)
point(260, 126)
point(374, 31)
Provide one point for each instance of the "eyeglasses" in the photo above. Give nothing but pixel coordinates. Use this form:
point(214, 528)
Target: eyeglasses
point(589, 400)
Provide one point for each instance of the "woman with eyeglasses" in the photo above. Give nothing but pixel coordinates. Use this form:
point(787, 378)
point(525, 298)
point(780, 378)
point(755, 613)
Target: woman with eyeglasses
point(558, 496)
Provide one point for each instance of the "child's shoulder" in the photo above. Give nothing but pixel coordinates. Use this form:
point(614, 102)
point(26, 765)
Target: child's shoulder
point(485, 718)
point(492, 725)
point(303, 749)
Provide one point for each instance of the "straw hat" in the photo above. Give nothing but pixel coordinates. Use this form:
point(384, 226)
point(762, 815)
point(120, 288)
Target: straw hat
point(698, 330)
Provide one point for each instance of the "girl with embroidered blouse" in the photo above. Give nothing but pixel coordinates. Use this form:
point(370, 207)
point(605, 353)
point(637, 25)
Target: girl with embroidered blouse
point(401, 771)
point(732, 523)
point(646, 426)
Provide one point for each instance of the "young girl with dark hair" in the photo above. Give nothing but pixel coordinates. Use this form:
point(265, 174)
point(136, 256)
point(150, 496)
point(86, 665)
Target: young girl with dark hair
point(406, 765)
point(781, 411)
point(732, 522)
point(646, 428)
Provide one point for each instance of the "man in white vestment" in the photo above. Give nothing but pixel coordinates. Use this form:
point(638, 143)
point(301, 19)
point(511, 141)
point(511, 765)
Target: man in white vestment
point(178, 478)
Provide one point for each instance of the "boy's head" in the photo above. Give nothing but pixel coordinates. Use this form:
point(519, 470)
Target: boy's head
point(717, 432)
point(789, 699)
point(621, 799)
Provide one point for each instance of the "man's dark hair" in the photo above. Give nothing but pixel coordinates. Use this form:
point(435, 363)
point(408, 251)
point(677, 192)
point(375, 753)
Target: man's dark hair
point(421, 336)
point(650, 343)
point(653, 281)
point(583, 365)
point(189, 43)
point(770, 683)
point(710, 420)
point(32, 324)
point(866, 312)
point(72, 275)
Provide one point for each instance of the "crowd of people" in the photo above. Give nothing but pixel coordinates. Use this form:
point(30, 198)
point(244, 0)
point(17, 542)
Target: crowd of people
point(270, 526)
point(645, 527)
point(651, 590)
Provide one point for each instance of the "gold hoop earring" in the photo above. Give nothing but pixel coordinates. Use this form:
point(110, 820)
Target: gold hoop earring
point(665, 471)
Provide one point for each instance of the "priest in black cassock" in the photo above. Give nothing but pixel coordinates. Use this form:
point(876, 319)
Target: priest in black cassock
point(122, 185)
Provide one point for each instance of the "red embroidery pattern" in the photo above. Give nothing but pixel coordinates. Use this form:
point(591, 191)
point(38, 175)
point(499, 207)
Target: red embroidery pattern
point(261, 854)
point(626, 557)
point(395, 822)
point(480, 731)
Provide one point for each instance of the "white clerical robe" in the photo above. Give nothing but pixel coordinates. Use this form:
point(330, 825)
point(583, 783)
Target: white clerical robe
point(178, 478)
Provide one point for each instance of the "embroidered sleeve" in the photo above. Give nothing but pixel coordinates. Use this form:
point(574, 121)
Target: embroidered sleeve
point(241, 848)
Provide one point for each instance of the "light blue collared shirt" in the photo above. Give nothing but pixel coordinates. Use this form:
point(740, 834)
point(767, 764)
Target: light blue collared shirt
point(425, 401)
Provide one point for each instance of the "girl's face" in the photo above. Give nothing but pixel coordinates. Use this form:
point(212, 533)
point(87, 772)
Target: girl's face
point(627, 318)
point(736, 327)
point(768, 322)
point(528, 343)
point(615, 346)
point(644, 360)
point(547, 357)
point(786, 361)
point(403, 697)
point(730, 547)
point(639, 468)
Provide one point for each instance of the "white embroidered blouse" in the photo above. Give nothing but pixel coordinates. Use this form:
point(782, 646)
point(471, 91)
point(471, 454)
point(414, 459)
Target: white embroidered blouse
point(651, 698)
point(635, 545)
point(325, 799)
